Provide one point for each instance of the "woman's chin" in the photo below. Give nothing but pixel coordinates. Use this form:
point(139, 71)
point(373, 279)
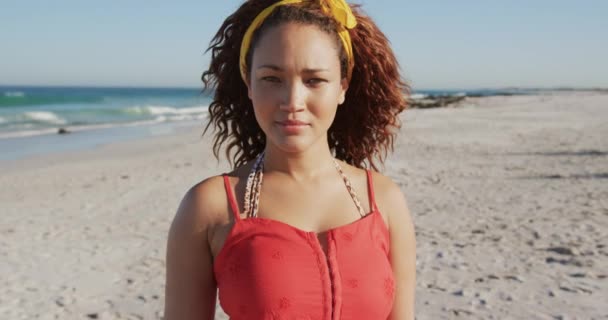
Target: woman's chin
point(292, 144)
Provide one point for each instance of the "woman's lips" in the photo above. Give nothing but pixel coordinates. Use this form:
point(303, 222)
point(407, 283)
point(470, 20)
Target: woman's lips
point(292, 126)
point(292, 122)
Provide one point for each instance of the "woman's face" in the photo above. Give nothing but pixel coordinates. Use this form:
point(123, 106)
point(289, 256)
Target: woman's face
point(295, 85)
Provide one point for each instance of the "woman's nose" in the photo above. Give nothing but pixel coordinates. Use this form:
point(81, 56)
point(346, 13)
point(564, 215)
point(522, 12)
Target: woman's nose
point(293, 97)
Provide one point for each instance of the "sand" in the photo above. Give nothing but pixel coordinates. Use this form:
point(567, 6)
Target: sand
point(509, 196)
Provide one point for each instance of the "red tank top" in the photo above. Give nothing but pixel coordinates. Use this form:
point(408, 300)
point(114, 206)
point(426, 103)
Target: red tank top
point(268, 269)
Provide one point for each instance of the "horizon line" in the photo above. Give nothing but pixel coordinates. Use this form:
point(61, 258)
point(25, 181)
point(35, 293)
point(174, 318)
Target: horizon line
point(560, 87)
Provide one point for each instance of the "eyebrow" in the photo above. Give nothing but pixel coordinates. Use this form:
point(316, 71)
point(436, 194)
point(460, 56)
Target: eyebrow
point(277, 68)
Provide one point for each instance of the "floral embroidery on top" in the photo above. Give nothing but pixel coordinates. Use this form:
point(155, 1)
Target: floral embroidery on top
point(353, 283)
point(234, 268)
point(285, 303)
point(347, 236)
point(389, 286)
point(277, 255)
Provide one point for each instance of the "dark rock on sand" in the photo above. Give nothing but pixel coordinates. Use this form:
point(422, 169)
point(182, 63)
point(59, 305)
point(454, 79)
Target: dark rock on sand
point(564, 288)
point(435, 101)
point(562, 250)
point(514, 278)
point(459, 293)
point(570, 261)
point(59, 302)
point(578, 275)
point(458, 312)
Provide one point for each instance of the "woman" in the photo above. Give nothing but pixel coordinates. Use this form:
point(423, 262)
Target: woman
point(307, 93)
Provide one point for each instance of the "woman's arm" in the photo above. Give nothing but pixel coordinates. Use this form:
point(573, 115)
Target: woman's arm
point(402, 248)
point(190, 291)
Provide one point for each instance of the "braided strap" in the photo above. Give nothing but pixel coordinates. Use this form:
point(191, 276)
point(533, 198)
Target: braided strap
point(249, 194)
point(350, 189)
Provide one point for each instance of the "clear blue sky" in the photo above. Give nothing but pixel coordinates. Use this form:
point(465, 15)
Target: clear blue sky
point(440, 44)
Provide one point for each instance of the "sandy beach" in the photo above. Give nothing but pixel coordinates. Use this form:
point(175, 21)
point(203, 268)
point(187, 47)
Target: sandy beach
point(509, 195)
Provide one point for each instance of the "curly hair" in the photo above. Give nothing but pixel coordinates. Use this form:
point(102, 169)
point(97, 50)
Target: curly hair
point(365, 125)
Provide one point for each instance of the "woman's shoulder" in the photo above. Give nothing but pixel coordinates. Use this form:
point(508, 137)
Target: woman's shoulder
point(388, 195)
point(207, 201)
point(202, 203)
point(382, 184)
point(385, 185)
point(391, 200)
point(206, 191)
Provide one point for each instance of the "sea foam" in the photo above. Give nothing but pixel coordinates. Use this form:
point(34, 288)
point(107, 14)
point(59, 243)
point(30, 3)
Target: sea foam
point(417, 96)
point(44, 116)
point(165, 110)
point(14, 94)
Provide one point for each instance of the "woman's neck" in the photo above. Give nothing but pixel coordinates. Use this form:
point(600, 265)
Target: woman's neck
point(302, 166)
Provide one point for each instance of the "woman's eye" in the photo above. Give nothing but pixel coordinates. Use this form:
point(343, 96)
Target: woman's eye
point(315, 81)
point(270, 79)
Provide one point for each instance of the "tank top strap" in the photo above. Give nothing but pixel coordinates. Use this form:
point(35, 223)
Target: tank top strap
point(231, 199)
point(370, 191)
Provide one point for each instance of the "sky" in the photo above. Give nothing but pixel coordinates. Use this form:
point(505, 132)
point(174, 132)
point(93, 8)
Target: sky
point(439, 44)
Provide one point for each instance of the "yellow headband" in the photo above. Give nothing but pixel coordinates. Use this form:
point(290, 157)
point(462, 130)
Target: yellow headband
point(340, 11)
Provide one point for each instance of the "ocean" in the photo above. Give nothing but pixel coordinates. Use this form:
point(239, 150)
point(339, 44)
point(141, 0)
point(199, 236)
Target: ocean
point(28, 111)
point(30, 117)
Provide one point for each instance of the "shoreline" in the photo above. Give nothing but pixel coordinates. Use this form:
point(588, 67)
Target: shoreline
point(64, 138)
point(40, 111)
point(21, 148)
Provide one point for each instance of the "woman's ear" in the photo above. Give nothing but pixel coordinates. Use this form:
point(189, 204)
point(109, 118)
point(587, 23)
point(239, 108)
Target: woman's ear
point(248, 84)
point(343, 88)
